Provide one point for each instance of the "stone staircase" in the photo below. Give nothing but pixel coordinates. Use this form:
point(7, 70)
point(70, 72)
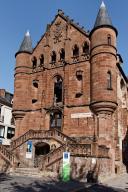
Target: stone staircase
point(9, 155)
point(55, 156)
point(33, 172)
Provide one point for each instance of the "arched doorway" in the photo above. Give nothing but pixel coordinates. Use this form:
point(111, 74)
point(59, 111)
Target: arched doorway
point(41, 149)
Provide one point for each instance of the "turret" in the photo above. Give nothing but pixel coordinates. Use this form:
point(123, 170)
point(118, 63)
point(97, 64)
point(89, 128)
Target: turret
point(103, 64)
point(22, 71)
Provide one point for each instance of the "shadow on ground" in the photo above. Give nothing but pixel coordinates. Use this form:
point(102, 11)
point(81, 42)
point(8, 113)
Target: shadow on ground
point(4, 177)
point(22, 184)
point(72, 186)
point(103, 188)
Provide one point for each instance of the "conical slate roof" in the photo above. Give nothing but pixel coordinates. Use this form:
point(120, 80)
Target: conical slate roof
point(102, 17)
point(26, 44)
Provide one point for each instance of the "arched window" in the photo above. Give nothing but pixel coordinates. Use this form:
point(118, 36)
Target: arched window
point(109, 80)
point(62, 55)
point(86, 48)
point(34, 62)
point(56, 119)
point(58, 89)
point(41, 60)
point(109, 39)
point(75, 51)
point(53, 57)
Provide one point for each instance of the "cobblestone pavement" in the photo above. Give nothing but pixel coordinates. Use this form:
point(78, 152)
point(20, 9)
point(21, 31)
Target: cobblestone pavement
point(25, 184)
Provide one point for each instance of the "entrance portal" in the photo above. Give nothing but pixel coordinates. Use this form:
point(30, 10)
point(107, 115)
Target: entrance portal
point(40, 150)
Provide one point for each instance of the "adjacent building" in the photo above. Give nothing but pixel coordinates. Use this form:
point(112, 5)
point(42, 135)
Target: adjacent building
point(7, 127)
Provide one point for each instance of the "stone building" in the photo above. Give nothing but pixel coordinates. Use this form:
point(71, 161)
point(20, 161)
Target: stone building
point(70, 94)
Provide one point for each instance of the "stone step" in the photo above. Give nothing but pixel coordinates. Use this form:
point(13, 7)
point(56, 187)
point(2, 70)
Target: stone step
point(33, 172)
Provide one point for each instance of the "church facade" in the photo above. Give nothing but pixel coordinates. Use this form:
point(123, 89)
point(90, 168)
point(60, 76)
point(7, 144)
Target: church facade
point(70, 94)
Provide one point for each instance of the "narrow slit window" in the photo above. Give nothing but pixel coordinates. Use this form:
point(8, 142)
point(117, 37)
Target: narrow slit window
point(109, 80)
point(109, 39)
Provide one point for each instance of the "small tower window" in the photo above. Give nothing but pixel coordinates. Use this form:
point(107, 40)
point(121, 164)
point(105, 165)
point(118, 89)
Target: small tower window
point(58, 89)
point(35, 83)
point(34, 62)
point(109, 39)
point(109, 80)
point(34, 101)
point(79, 75)
point(41, 60)
point(53, 57)
point(86, 48)
point(62, 55)
point(75, 51)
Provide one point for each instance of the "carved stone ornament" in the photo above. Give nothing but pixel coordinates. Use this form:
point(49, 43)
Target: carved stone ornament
point(58, 32)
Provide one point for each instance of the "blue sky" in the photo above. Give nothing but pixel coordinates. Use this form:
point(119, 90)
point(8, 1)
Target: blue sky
point(17, 16)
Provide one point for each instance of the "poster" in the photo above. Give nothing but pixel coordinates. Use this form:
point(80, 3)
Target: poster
point(29, 150)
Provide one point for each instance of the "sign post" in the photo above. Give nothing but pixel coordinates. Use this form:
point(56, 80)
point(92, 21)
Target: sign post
point(66, 166)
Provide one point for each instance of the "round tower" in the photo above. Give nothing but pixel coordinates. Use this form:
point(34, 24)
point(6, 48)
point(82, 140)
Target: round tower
point(21, 81)
point(103, 64)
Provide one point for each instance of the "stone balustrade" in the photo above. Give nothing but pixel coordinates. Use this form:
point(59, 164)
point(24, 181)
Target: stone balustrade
point(39, 134)
point(7, 154)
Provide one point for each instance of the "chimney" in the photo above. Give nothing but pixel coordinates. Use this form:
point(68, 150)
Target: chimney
point(2, 93)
